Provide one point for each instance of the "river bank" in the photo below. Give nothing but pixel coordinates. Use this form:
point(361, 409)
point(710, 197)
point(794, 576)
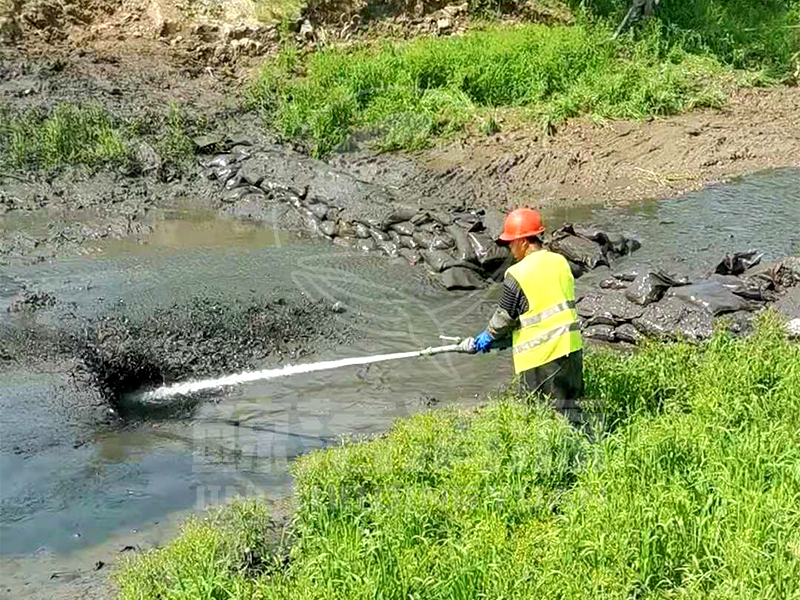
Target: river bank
point(502, 501)
point(116, 231)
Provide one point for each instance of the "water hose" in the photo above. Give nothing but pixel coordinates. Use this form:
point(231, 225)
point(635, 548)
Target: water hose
point(190, 387)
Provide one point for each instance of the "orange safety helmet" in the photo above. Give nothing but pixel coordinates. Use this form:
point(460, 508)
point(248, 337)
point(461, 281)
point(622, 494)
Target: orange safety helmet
point(521, 223)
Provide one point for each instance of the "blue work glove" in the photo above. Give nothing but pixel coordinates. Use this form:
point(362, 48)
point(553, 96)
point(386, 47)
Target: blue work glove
point(484, 341)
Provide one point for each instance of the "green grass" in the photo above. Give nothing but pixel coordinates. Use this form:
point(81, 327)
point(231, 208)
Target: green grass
point(744, 34)
point(693, 493)
point(213, 558)
point(69, 134)
point(404, 94)
point(90, 136)
point(410, 92)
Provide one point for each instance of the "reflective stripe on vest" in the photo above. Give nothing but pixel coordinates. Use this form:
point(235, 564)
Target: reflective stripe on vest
point(545, 314)
point(549, 328)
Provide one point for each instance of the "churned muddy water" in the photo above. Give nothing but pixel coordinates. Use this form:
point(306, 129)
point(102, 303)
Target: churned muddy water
point(66, 507)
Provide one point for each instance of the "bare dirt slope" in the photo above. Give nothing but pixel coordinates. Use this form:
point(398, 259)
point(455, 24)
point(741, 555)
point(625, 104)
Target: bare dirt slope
point(614, 162)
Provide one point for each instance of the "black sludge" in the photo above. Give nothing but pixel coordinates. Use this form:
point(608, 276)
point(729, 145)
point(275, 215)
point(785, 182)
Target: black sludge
point(205, 336)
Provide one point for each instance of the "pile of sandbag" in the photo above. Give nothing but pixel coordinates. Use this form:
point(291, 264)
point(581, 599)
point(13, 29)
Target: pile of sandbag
point(457, 245)
point(631, 306)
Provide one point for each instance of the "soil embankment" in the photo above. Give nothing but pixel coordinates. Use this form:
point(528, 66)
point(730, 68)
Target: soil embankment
point(615, 162)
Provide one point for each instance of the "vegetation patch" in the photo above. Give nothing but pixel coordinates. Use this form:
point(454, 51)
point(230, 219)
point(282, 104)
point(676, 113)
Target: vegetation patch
point(211, 559)
point(68, 135)
point(692, 492)
point(403, 94)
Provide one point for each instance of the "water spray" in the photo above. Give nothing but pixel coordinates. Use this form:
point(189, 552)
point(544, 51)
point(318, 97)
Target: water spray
point(191, 387)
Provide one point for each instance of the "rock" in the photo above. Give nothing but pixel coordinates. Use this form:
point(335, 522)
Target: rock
point(793, 328)
point(337, 308)
point(613, 284)
point(461, 278)
point(10, 31)
point(444, 25)
point(628, 333)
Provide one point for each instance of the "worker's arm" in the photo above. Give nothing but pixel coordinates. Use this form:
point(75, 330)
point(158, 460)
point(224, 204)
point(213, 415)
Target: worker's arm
point(512, 304)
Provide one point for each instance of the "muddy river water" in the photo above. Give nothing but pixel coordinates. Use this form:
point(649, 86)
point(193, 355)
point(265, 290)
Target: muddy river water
point(63, 507)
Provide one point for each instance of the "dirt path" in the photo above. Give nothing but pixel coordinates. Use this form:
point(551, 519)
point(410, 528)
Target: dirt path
point(613, 163)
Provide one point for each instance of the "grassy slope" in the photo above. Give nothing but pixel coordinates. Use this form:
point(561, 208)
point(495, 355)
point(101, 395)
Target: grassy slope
point(411, 91)
point(694, 494)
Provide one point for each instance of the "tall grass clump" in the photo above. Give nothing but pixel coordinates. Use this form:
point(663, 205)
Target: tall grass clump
point(213, 558)
point(68, 135)
point(694, 492)
point(743, 34)
point(411, 91)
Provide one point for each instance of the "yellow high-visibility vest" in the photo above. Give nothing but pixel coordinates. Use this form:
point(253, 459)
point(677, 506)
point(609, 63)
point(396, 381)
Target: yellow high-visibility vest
point(549, 329)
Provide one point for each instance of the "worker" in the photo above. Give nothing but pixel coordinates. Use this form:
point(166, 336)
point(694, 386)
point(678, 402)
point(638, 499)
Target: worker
point(538, 308)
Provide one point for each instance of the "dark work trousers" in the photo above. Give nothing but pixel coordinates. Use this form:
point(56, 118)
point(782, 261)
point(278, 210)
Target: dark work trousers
point(560, 382)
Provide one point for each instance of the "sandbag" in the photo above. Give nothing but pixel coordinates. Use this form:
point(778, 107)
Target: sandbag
point(361, 231)
point(461, 278)
point(603, 333)
point(441, 241)
point(221, 161)
point(403, 228)
point(613, 284)
point(440, 261)
point(399, 215)
point(389, 248)
point(223, 174)
point(406, 241)
point(493, 221)
point(423, 238)
point(738, 263)
point(628, 333)
point(612, 306)
point(379, 236)
point(621, 245)
point(576, 269)
point(711, 296)
point(650, 287)
point(490, 255)
point(464, 250)
point(672, 318)
point(578, 250)
point(750, 289)
point(412, 256)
